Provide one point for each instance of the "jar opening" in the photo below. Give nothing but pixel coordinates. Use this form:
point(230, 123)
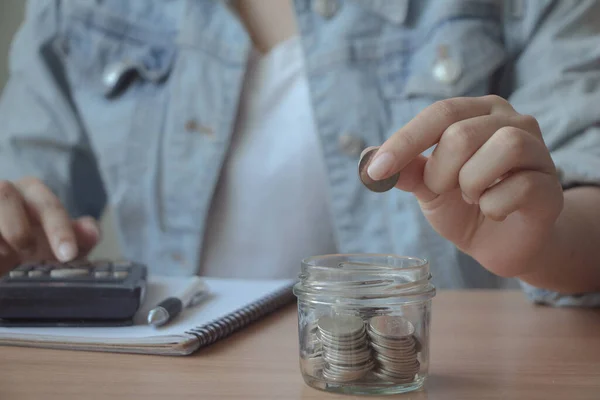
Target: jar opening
point(365, 276)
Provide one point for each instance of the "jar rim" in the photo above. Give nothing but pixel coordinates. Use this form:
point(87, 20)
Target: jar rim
point(365, 275)
point(422, 262)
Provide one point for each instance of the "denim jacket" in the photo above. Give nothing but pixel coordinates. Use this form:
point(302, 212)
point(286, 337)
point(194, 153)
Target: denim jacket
point(132, 104)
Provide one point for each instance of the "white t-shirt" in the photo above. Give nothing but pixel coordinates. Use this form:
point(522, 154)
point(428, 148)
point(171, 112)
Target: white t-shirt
point(271, 207)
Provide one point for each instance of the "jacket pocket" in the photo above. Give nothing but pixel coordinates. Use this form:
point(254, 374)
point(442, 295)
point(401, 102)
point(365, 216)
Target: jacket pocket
point(455, 56)
point(117, 69)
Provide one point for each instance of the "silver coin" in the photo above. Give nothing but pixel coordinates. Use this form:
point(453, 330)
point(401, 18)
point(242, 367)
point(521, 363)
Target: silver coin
point(400, 363)
point(346, 360)
point(400, 370)
point(343, 343)
point(395, 364)
point(401, 341)
point(341, 371)
point(344, 348)
point(342, 326)
point(397, 360)
point(397, 373)
point(369, 364)
point(349, 341)
point(391, 326)
point(343, 377)
point(383, 375)
point(392, 344)
point(312, 365)
point(400, 351)
point(375, 186)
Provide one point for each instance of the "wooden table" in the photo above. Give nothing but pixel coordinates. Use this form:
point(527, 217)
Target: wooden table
point(485, 345)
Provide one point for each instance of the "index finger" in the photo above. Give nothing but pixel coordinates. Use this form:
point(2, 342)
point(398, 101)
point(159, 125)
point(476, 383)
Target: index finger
point(53, 217)
point(426, 129)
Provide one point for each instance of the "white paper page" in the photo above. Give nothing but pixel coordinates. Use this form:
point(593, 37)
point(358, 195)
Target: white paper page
point(227, 296)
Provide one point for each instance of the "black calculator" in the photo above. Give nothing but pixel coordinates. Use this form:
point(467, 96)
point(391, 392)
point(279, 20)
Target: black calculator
point(81, 293)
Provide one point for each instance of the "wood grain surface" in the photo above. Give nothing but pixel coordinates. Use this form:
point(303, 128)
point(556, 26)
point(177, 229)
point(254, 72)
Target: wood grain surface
point(485, 345)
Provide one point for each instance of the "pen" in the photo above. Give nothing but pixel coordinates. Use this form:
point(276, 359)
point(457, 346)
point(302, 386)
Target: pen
point(166, 310)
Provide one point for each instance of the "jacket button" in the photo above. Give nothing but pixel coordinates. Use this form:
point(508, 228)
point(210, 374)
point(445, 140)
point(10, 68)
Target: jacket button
point(351, 145)
point(446, 70)
point(326, 8)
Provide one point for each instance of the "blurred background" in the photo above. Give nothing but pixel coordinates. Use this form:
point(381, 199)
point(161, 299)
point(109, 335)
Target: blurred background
point(11, 15)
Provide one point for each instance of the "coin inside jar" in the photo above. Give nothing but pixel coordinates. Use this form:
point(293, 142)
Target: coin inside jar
point(341, 327)
point(391, 327)
point(346, 354)
point(379, 186)
point(394, 348)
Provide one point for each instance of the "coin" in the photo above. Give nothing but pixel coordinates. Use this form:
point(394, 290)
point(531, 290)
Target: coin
point(395, 352)
point(387, 377)
point(392, 327)
point(341, 326)
point(344, 340)
point(347, 359)
point(346, 354)
point(313, 364)
point(394, 345)
point(413, 366)
point(379, 186)
point(346, 376)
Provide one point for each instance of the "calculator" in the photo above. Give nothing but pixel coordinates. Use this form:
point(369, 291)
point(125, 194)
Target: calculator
point(81, 293)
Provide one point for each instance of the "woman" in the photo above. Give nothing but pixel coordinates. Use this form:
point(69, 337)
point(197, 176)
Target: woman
point(226, 136)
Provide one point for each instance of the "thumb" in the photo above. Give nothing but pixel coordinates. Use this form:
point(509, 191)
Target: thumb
point(88, 234)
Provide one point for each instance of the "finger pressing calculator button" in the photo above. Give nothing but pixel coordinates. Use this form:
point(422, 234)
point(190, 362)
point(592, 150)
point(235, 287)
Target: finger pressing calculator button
point(101, 274)
point(69, 272)
point(17, 274)
point(120, 274)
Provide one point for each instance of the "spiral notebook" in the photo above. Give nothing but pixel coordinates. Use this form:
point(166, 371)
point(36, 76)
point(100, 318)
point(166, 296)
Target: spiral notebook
point(232, 305)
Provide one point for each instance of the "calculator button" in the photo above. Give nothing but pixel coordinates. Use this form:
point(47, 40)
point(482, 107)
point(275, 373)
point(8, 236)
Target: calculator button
point(36, 273)
point(101, 274)
point(69, 272)
point(15, 273)
point(120, 274)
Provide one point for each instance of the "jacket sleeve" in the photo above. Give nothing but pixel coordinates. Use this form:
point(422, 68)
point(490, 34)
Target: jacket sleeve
point(556, 77)
point(40, 132)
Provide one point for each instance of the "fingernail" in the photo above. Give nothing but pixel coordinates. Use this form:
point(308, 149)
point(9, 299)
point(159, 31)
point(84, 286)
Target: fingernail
point(380, 166)
point(467, 199)
point(66, 252)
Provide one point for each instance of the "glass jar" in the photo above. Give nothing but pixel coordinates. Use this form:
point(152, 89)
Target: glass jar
point(363, 323)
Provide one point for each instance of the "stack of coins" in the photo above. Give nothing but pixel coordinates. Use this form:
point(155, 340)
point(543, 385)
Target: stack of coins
point(395, 348)
point(345, 350)
point(312, 350)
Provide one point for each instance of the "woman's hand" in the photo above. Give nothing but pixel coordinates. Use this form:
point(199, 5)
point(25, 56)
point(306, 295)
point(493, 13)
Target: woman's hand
point(490, 185)
point(34, 225)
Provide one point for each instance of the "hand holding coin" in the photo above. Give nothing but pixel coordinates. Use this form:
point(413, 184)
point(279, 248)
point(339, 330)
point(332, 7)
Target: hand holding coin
point(489, 185)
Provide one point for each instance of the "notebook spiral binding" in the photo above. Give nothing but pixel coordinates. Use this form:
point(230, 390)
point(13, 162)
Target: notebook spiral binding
point(232, 322)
